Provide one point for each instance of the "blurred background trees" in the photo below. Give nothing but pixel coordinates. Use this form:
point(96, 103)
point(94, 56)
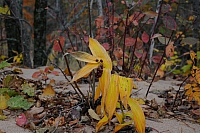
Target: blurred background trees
point(37, 28)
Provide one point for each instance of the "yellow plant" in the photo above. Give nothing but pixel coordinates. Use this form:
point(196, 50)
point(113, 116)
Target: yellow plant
point(192, 90)
point(18, 58)
point(113, 88)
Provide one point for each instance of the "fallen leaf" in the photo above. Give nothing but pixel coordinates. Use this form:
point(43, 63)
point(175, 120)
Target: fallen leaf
point(21, 120)
point(3, 102)
point(93, 114)
point(48, 91)
point(36, 74)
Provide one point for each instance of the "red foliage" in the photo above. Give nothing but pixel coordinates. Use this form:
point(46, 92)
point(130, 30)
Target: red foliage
point(145, 37)
point(129, 41)
point(56, 46)
point(157, 58)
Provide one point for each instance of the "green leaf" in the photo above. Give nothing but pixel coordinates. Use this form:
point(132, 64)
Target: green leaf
point(8, 91)
point(19, 102)
point(186, 68)
point(198, 55)
point(28, 89)
point(4, 64)
point(176, 72)
point(163, 40)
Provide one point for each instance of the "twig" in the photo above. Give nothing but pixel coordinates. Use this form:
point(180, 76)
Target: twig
point(179, 90)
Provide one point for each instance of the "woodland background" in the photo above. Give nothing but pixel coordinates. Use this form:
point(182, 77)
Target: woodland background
point(32, 28)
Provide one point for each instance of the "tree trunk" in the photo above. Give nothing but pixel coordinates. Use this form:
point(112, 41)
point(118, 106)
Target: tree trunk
point(13, 30)
point(40, 14)
point(18, 40)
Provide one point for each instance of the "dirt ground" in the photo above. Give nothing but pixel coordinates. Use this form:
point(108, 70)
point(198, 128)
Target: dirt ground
point(160, 125)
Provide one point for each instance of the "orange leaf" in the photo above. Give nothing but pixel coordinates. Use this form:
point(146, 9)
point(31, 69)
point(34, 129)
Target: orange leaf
point(48, 91)
point(160, 73)
point(187, 86)
point(139, 118)
point(170, 50)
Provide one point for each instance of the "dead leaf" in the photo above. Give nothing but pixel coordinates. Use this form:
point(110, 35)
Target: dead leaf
point(21, 120)
point(3, 102)
point(34, 111)
point(18, 71)
point(93, 114)
point(59, 121)
point(73, 122)
point(48, 91)
point(170, 50)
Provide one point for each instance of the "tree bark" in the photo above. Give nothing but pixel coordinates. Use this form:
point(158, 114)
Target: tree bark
point(13, 30)
point(40, 14)
point(18, 40)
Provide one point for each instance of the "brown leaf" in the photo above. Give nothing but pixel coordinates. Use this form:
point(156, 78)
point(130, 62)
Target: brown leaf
point(196, 112)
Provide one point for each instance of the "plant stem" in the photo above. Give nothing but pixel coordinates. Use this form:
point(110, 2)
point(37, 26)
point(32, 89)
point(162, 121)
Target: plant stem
point(75, 83)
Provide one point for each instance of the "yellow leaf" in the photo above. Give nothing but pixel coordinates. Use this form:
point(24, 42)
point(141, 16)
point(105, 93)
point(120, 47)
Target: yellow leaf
point(15, 52)
point(120, 126)
point(163, 67)
point(112, 96)
point(119, 117)
point(3, 102)
point(125, 88)
point(99, 51)
point(102, 122)
point(84, 70)
point(5, 10)
point(193, 55)
point(83, 56)
point(140, 101)
point(139, 118)
point(104, 83)
point(97, 92)
point(2, 117)
point(129, 114)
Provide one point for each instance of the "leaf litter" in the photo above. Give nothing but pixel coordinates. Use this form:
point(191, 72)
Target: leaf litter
point(55, 111)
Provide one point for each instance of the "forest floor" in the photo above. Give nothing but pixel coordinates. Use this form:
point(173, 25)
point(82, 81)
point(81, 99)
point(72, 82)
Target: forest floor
point(170, 123)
